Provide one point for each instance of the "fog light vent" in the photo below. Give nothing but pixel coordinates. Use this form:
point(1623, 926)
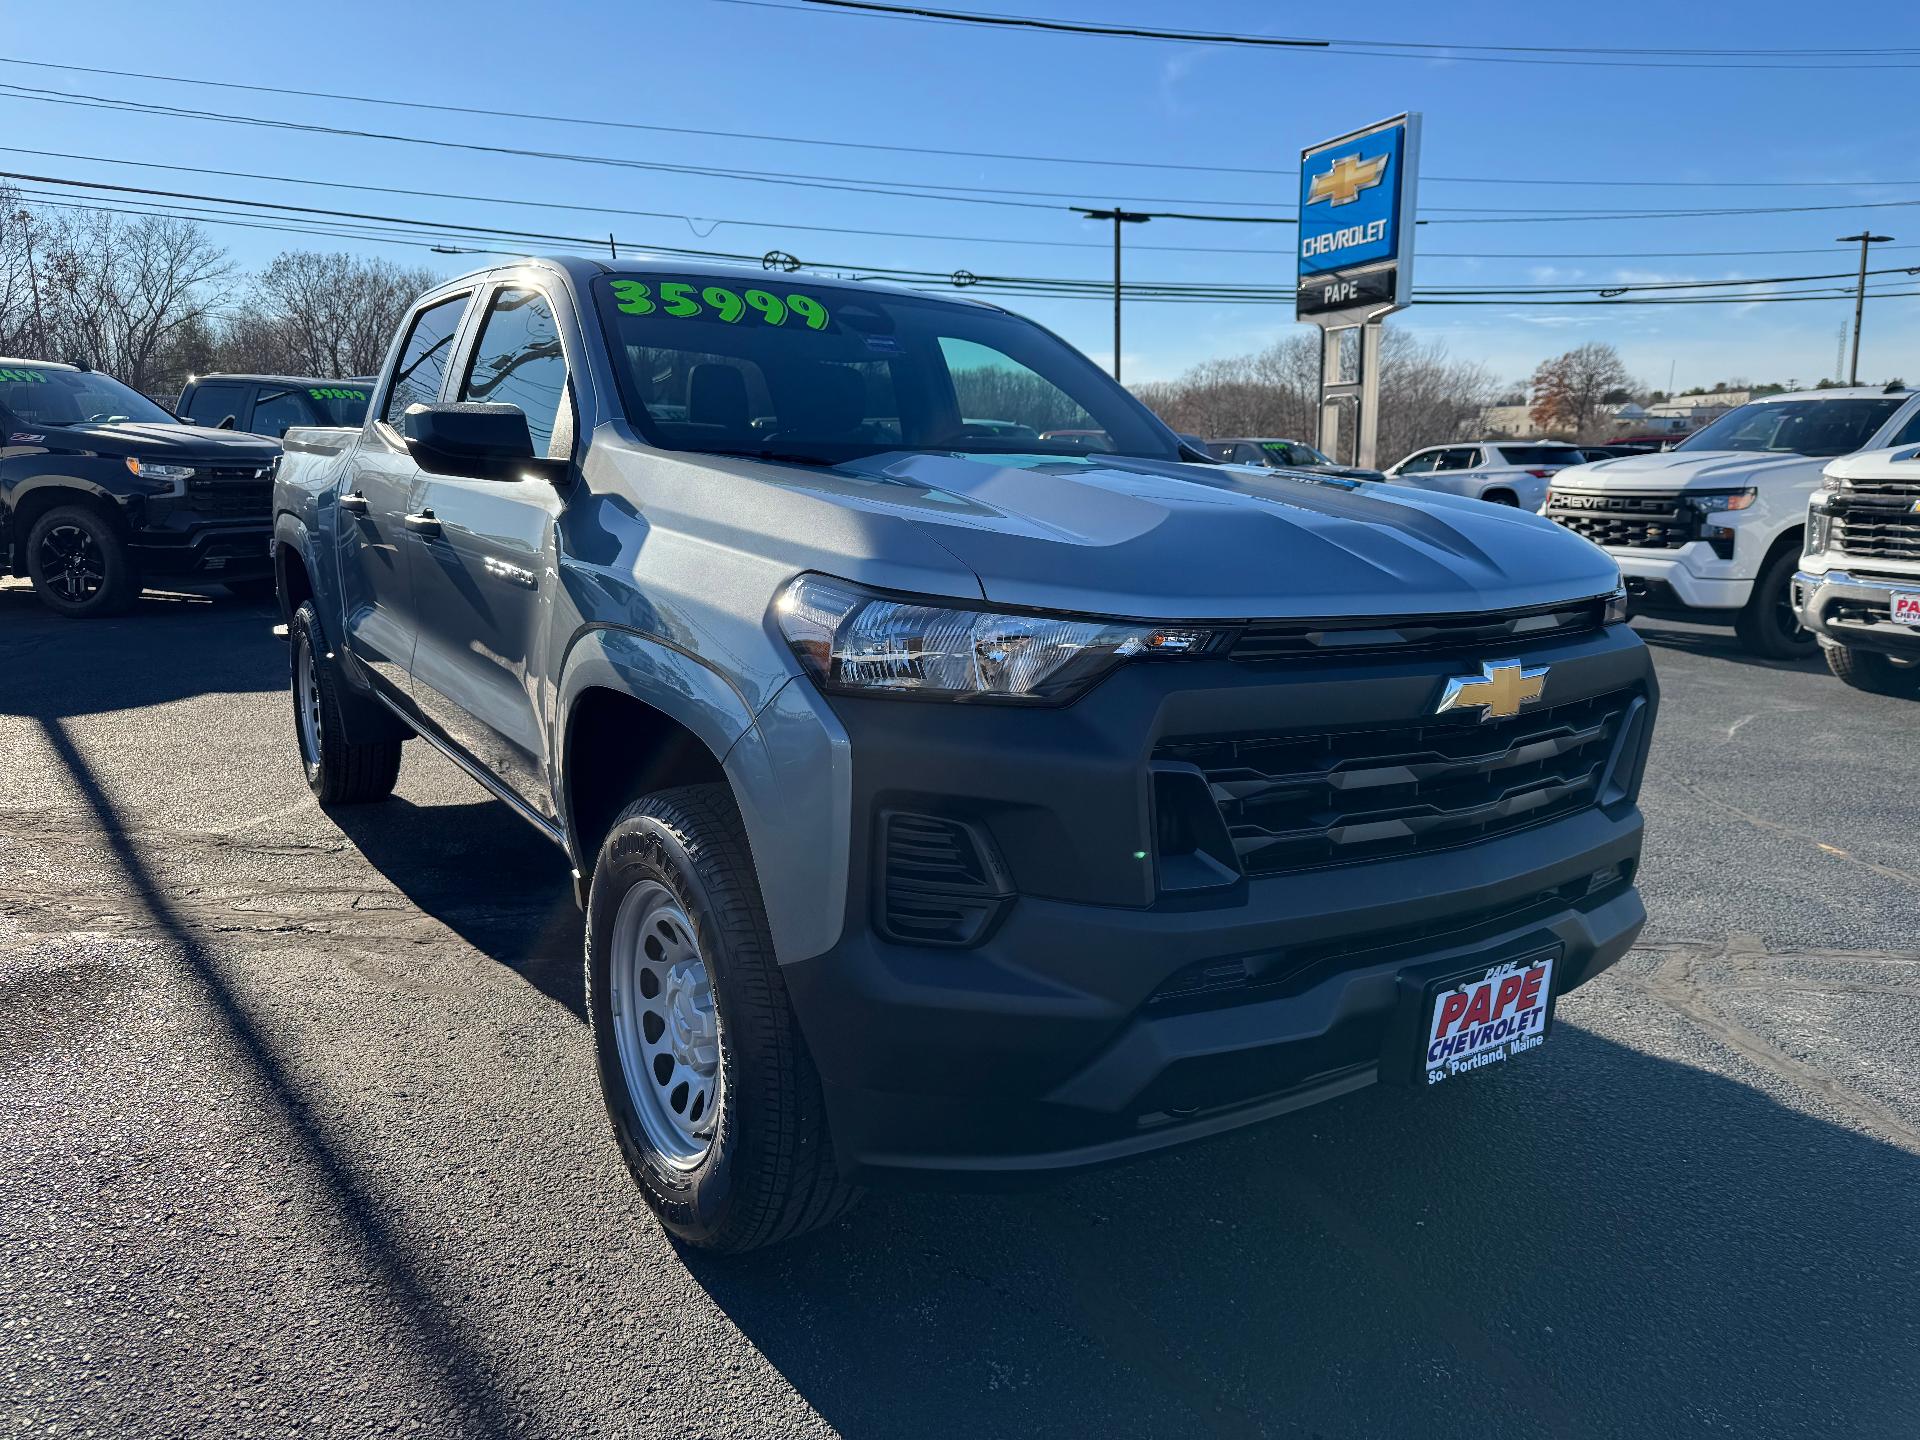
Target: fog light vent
point(940, 880)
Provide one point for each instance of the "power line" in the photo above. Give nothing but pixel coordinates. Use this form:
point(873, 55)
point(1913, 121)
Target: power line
point(981, 195)
point(1376, 49)
point(545, 117)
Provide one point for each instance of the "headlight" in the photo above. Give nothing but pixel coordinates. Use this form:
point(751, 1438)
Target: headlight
point(1832, 483)
point(147, 470)
point(1616, 608)
point(1714, 502)
point(864, 642)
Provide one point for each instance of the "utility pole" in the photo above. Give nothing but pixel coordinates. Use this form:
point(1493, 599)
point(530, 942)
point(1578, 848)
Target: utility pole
point(1119, 217)
point(1866, 238)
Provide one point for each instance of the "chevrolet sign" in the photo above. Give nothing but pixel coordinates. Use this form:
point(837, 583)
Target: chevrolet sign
point(1356, 221)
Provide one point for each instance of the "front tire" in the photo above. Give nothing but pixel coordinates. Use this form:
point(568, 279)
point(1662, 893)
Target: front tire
point(711, 1092)
point(79, 565)
point(1873, 672)
point(337, 772)
point(1769, 625)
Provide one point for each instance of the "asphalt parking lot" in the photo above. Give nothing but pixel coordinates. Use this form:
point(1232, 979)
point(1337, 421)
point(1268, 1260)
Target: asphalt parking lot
point(299, 1133)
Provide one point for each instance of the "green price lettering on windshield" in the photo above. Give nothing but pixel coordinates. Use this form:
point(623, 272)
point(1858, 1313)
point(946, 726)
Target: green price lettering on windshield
point(682, 301)
point(331, 393)
point(772, 308)
point(633, 297)
point(727, 305)
point(677, 296)
point(25, 377)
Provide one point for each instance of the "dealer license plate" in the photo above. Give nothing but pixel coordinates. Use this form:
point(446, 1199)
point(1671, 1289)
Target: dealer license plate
point(1906, 607)
point(1485, 1019)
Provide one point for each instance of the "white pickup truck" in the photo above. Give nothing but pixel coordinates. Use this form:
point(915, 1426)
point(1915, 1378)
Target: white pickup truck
point(1858, 588)
point(1712, 529)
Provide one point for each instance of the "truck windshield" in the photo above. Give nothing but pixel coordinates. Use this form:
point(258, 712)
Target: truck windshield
point(1797, 427)
point(37, 396)
point(818, 373)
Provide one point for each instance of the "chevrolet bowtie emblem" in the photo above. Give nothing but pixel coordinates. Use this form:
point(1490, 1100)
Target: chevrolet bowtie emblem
point(1342, 181)
point(1498, 691)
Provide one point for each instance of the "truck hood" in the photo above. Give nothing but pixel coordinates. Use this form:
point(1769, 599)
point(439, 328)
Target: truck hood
point(1166, 540)
point(178, 444)
point(1686, 470)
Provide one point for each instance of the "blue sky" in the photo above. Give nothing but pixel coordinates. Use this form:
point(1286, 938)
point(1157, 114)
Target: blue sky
point(708, 64)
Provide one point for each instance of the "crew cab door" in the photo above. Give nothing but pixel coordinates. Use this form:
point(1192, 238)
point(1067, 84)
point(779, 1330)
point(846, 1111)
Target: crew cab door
point(483, 573)
point(378, 497)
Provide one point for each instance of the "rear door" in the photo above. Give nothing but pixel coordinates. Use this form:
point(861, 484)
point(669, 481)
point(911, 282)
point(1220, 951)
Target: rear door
point(379, 495)
point(483, 573)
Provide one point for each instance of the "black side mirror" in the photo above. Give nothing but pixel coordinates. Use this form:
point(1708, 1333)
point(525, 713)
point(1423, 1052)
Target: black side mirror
point(477, 442)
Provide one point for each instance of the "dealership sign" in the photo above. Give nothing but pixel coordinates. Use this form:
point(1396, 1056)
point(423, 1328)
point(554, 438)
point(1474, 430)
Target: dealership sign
point(1356, 223)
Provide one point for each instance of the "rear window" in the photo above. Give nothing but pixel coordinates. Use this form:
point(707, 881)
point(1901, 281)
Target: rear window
point(1540, 455)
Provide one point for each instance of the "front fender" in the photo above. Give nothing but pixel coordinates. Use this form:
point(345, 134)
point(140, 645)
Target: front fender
point(792, 783)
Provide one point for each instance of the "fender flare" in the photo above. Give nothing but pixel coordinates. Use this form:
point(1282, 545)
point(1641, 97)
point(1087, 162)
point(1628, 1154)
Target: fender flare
point(773, 779)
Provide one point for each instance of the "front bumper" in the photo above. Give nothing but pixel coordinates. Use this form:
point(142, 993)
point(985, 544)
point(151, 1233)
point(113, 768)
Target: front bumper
point(1850, 610)
point(1087, 1025)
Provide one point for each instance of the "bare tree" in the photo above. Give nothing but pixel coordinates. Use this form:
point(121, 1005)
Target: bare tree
point(22, 331)
point(328, 314)
point(1569, 389)
point(1425, 395)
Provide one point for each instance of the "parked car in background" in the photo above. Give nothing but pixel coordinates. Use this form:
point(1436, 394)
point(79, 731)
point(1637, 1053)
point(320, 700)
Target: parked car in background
point(271, 404)
point(1278, 454)
point(1504, 472)
point(1858, 583)
point(1712, 529)
point(102, 490)
point(944, 802)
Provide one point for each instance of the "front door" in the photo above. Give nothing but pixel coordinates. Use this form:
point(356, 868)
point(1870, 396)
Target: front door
point(484, 573)
point(378, 493)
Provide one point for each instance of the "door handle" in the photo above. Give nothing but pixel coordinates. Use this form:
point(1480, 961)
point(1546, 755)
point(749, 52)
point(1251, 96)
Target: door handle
point(423, 523)
point(354, 503)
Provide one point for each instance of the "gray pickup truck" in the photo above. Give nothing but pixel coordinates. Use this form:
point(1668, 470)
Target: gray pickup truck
point(947, 801)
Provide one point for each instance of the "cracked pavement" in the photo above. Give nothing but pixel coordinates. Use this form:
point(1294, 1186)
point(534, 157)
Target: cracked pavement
point(299, 1135)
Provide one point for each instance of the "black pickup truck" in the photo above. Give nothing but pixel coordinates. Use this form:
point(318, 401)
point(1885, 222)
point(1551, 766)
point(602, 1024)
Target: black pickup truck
point(102, 490)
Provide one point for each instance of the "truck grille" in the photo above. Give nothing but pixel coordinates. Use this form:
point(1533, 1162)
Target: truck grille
point(231, 493)
point(1877, 533)
point(1641, 522)
point(1295, 802)
point(1274, 640)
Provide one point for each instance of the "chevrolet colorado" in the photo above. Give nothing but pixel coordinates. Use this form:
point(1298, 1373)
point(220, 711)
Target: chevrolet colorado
point(101, 490)
point(946, 801)
point(1712, 529)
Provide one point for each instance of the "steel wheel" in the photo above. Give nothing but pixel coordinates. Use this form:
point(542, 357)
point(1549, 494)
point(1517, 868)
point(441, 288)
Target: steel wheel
point(72, 563)
point(306, 707)
point(665, 1024)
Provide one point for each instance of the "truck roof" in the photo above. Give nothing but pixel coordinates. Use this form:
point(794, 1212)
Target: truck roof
point(581, 269)
point(9, 361)
point(281, 379)
point(1834, 392)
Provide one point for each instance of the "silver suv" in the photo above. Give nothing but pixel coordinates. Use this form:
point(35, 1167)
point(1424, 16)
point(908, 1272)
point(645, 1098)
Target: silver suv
point(1504, 472)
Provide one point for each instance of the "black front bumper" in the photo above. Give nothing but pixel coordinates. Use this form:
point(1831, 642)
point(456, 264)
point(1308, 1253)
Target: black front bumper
point(1103, 1015)
point(208, 552)
point(1852, 610)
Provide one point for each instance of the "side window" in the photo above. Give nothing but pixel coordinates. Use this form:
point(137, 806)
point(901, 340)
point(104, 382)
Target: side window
point(1419, 464)
point(276, 411)
point(210, 404)
point(1245, 454)
point(423, 359)
point(1908, 433)
point(518, 361)
point(1455, 460)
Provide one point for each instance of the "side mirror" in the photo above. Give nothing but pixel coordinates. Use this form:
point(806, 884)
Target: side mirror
point(476, 442)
